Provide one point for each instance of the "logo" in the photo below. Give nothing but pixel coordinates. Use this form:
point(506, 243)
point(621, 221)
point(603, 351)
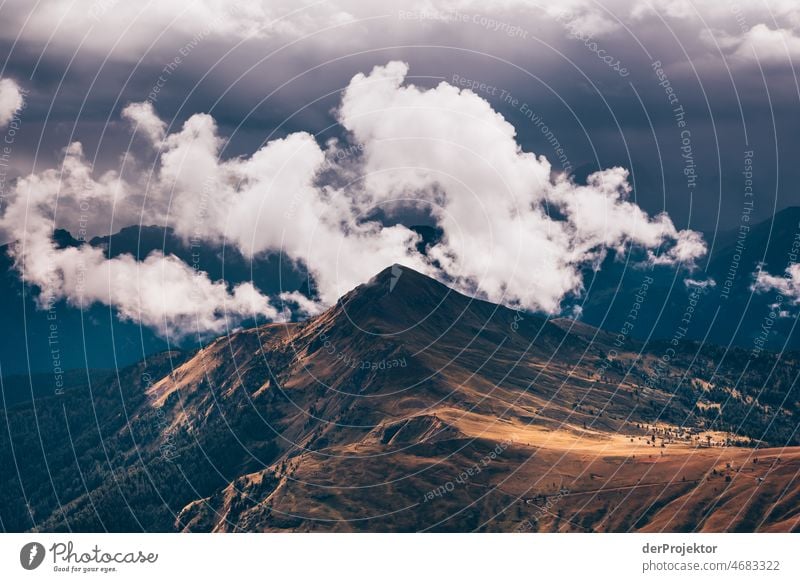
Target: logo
point(396, 273)
point(31, 555)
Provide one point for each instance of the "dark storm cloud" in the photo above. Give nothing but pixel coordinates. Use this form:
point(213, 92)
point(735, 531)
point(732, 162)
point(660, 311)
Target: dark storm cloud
point(263, 80)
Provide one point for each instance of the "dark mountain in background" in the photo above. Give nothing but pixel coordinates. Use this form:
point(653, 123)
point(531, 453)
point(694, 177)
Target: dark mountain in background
point(270, 274)
point(408, 406)
point(734, 318)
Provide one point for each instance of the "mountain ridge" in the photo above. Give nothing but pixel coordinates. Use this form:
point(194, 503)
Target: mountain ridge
point(356, 419)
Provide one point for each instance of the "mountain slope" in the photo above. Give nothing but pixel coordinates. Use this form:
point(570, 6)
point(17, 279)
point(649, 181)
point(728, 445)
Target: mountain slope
point(408, 406)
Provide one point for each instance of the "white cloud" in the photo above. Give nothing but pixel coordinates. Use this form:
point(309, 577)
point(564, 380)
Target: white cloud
point(161, 292)
point(144, 118)
point(757, 44)
point(770, 45)
point(450, 150)
point(787, 285)
point(269, 202)
point(441, 149)
point(11, 100)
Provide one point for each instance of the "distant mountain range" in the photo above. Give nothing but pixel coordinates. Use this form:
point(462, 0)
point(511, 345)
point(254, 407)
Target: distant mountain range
point(729, 312)
point(410, 407)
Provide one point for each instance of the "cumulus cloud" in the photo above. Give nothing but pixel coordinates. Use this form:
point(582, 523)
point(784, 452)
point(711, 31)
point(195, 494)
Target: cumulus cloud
point(269, 202)
point(11, 100)
point(770, 45)
point(161, 292)
point(144, 118)
point(788, 285)
point(79, 193)
point(514, 231)
point(757, 44)
point(448, 149)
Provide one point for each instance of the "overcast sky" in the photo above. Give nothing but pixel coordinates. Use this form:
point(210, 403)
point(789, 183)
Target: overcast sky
point(664, 102)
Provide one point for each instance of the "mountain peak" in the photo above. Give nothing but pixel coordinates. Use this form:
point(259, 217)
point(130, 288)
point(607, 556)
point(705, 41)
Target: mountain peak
point(391, 277)
point(400, 299)
point(399, 296)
